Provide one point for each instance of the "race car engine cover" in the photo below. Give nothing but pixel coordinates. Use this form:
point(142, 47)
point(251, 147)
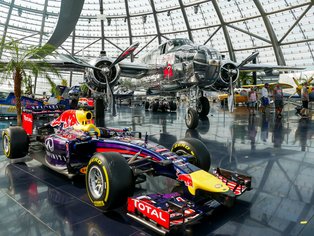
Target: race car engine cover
point(96, 79)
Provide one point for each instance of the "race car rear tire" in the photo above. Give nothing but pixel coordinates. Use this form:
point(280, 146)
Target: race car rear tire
point(109, 180)
point(15, 142)
point(191, 118)
point(196, 148)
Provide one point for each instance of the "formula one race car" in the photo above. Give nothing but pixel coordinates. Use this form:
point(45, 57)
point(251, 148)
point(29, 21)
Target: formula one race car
point(115, 160)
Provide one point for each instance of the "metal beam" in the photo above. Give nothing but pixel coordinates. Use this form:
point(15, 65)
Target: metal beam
point(156, 20)
point(129, 25)
point(295, 23)
point(213, 34)
point(249, 33)
point(225, 31)
point(186, 20)
point(6, 26)
point(43, 19)
point(102, 28)
point(277, 49)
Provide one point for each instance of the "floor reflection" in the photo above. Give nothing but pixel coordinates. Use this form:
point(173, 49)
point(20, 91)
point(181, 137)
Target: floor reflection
point(277, 153)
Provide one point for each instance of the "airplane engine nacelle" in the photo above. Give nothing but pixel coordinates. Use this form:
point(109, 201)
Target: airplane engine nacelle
point(228, 71)
point(96, 79)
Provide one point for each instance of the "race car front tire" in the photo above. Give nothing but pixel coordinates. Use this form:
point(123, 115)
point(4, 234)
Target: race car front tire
point(109, 180)
point(196, 148)
point(15, 142)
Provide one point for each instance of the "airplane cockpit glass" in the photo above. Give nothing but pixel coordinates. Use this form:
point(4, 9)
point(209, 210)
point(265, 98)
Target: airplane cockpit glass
point(177, 43)
point(215, 54)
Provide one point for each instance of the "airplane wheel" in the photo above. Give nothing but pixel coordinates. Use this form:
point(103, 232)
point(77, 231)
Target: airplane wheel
point(15, 142)
point(196, 148)
point(203, 106)
point(146, 105)
point(191, 119)
point(109, 180)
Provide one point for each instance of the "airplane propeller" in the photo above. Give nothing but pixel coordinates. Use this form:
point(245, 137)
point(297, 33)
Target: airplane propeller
point(106, 72)
point(299, 86)
point(230, 71)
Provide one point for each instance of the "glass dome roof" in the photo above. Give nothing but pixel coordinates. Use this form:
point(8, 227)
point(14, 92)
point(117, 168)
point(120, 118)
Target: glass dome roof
point(281, 30)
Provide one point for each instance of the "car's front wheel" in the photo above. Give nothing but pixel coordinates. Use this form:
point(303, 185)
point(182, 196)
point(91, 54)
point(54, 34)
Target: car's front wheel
point(109, 180)
point(196, 148)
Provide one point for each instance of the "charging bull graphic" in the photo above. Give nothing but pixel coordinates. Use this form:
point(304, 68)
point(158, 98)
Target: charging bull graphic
point(73, 117)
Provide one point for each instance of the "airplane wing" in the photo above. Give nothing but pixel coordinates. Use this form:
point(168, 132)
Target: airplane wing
point(59, 61)
point(271, 86)
point(267, 67)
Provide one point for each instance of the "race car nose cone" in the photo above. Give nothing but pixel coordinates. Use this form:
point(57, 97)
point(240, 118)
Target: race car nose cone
point(207, 182)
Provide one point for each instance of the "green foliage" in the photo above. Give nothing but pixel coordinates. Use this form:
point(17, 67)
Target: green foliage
point(64, 82)
point(23, 62)
point(245, 78)
point(84, 89)
point(27, 83)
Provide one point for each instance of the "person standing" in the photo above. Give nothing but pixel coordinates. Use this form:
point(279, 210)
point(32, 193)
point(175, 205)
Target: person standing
point(305, 101)
point(278, 99)
point(265, 98)
point(252, 99)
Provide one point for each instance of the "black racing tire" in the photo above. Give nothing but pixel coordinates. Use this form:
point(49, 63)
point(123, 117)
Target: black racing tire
point(146, 105)
point(15, 142)
point(195, 148)
point(203, 106)
point(109, 180)
point(191, 118)
point(155, 106)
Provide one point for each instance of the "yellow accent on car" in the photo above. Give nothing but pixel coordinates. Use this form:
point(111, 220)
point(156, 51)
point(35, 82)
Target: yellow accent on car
point(84, 117)
point(107, 183)
point(207, 182)
point(87, 128)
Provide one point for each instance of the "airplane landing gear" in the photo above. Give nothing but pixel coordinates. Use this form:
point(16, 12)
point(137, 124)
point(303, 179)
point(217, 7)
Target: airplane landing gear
point(202, 106)
point(191, 118)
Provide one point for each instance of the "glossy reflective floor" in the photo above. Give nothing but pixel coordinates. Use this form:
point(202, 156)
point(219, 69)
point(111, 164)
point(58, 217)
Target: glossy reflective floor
point(278, 154)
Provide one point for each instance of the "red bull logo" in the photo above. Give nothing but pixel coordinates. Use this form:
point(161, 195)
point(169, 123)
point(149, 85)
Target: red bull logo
point(186, 178)
point(67, 119)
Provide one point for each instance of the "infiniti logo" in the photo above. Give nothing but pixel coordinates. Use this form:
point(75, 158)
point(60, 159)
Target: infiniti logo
point(49, 144)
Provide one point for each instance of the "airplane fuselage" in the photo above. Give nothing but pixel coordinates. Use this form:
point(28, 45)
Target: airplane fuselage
point(183, 65)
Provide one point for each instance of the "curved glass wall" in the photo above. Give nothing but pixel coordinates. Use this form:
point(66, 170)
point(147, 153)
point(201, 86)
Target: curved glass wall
point(281, 30)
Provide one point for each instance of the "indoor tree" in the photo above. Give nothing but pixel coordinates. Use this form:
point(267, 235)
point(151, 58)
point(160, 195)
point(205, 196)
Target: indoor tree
point(20, 63)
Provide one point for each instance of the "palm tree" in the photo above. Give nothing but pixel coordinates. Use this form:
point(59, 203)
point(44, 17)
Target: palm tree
point(20, 63)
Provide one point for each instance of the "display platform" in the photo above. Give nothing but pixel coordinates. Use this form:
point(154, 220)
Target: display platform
point(278, 154)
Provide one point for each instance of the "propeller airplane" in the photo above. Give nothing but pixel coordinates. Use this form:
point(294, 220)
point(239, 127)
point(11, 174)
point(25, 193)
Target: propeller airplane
point(176, 65)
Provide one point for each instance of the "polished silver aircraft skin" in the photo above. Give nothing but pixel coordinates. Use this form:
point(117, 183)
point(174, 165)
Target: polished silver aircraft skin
point(175, 65)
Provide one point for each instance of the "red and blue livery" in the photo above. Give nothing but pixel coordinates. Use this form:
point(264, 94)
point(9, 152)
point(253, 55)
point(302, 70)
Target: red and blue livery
point(115, 160)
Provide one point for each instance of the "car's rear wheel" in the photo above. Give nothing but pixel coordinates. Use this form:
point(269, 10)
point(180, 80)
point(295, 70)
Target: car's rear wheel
point(15, 142)
point(196, 148)
point(109, 180)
